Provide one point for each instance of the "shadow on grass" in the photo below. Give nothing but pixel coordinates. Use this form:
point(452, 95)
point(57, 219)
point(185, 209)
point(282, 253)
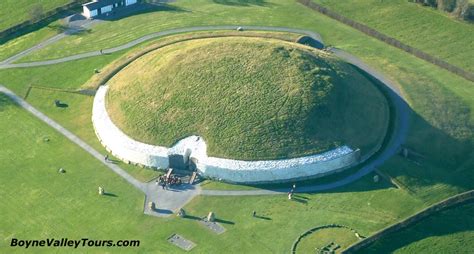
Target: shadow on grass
point(262, 217)
point(447, 159)
point(191, 217)
point(110, 194)
point(443, 223)
point(6, 102)
point(225, 221)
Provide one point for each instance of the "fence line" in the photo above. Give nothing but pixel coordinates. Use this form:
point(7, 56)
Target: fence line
point(45, 17)
point(389, 40)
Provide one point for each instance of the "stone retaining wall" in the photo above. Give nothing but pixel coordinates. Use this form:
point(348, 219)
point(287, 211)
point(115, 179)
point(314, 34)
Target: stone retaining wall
point(194, 148)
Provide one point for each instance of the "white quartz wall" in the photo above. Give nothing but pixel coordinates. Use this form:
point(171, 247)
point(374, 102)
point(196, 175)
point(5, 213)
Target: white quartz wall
point(238, 171)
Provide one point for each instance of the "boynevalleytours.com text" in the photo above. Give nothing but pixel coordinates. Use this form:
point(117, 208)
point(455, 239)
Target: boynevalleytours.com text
point(71, 243)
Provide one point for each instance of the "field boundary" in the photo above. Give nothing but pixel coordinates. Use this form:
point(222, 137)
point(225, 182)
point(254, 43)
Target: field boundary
point(389, 40)
point(452, 201)
point(46, 17)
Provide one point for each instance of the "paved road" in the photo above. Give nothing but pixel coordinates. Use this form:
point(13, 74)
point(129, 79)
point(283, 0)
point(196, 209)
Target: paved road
point(167, 201)
point(9, 64)
point(74, 25)
point(402, 111)
point(73, 138)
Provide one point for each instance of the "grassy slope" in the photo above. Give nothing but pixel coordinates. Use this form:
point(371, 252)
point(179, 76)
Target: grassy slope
point(17, 11)
point(423, 28)
point(441, 233)
point(29, 40)
point(76, 117)
point(67, 205)
point(323, 237)
point(448, 93)
point(294, 104)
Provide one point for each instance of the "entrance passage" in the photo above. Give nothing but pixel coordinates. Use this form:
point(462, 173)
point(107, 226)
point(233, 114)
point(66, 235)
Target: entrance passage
point(178, 161)
point(182, 161)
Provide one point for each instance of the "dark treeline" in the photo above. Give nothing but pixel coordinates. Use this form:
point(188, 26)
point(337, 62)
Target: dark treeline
point(462, 9)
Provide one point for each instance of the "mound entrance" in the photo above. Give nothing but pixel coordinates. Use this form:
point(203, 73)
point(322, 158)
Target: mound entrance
point(249, 98)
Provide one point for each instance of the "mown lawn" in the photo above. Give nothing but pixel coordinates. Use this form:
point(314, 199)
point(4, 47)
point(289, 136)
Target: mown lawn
point(13, 12)
point(422, 27)
point(441, 130)
point(18, 44)
point(447, 231)
point(318, 240)
point(38, 202)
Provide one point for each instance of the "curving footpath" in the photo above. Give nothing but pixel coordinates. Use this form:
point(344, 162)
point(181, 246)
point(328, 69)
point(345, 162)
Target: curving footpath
point(8, 64)
point(169, 201)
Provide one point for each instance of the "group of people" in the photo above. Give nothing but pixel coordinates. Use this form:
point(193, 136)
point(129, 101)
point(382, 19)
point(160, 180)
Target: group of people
point(165, 181)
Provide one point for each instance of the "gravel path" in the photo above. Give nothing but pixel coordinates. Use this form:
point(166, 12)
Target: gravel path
point(73, 27)
point(9, 64)
point(72, 137)
point(168, 201)
point(402, 112)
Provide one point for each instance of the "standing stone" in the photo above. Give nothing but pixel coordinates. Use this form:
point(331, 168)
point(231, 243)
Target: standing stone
point(376, 178)
point(405, 152)
point(211, 217)
point(151, 205)
point(101, 191)
point(181, 213)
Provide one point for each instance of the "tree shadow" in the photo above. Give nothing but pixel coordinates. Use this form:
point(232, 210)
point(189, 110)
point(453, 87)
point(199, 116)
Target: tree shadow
point(6, 102)
point(442, 223)
point(446, 146)
point(243, 3)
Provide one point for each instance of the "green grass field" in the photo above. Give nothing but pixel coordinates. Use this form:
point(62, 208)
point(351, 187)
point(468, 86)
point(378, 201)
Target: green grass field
point(424, 28)
point(443, 232)
point(319, 239)
point(442, 130)
point(37, 202)
point(16, 11)
point(299, 102)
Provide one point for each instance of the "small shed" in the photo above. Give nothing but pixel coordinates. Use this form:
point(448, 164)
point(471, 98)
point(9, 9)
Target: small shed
point(104, 7)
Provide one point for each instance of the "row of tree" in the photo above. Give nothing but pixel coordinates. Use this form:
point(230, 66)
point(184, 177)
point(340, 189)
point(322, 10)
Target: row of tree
point(463, 9)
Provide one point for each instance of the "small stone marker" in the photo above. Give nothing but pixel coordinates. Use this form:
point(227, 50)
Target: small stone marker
point(181, 242)
point(211, 217)
point(376, 178)
point(61, 170)
point(151, 205)
point(213, 226)
point(181, 213)
point(96, 71)
point(101, 191)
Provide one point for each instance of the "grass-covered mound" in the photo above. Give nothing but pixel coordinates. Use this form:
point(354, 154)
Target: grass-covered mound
point(249, 98)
